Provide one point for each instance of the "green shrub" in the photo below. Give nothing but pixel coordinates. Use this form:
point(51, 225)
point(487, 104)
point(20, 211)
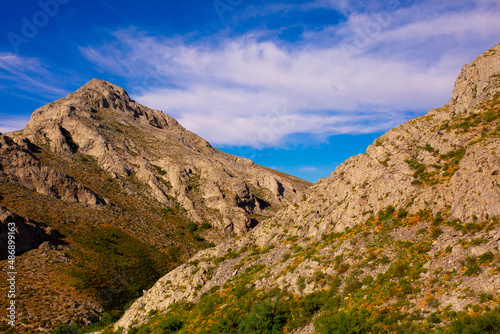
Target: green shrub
point(68, 329)
point(312, 303)
point(350, 322)
point(402, 213)
point(192, 227)
point(170, 325)
point(485, 323)
point(472, 267)
point(197, 237)
point(486, 257)
point(205, 225)
point(432, 302)
point(352, 284)
point(484, 297)
point(436, 233)
point(301, 283)
point(264, 318)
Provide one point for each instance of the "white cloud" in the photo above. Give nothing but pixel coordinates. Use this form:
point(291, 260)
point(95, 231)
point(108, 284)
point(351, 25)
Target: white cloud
point(254, 91)
point(10, 123)
point(308, 169)
point(29, 75)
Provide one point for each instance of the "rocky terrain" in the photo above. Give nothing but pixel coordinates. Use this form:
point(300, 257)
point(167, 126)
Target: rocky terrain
point(401, 239)
point(108, 195)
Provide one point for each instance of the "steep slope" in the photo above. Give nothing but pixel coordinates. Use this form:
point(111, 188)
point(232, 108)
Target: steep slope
point(403, 238)
point(127, 139)
point(130, 194)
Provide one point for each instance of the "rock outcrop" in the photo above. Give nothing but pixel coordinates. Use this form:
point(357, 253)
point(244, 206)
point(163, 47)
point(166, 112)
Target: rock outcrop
point(28, 234)
point(20, 166)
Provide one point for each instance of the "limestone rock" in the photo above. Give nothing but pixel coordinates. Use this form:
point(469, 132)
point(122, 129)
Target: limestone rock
point(19, 165)
point(477, 81)
point(101, 121)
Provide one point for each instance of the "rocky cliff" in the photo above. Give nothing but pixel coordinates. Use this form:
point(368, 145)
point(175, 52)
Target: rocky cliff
point(129, 140)
point(403, 238)
point(97, 180)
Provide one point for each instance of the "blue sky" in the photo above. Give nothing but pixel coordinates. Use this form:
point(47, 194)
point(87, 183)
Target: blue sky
point(294, 85)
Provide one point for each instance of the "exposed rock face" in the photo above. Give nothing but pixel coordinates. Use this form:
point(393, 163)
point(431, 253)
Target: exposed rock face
point(443, 166)
point(20, 166)
point(475, 82)
point(126, 138)
point(28, 234)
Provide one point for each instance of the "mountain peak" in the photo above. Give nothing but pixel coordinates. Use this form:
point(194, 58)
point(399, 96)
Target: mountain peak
point(84, 102)
point(477, 81)
point(105, 88)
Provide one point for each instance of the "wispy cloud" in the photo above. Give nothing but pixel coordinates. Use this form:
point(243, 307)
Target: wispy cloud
point(308, 169)
point(28, 75)
point(10, 123)
point(365, 74)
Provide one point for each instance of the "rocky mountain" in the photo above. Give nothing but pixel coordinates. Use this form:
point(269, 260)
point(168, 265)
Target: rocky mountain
point(401, 239)
point(108, 195)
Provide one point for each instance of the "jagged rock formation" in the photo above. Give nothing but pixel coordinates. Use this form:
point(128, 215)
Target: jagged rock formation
point(130, 189)
point(29, 234)
point(20, 166)
point(411, 227)
point(126, 138)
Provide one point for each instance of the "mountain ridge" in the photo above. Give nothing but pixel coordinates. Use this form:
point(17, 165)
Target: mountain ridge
point(417, 214)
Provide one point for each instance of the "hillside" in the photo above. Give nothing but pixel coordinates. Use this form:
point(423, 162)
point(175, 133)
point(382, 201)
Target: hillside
point(401, 239)
point(109, 195)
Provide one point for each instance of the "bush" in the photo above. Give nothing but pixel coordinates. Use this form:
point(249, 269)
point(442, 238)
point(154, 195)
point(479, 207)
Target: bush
point(436, 233)
point(352, 284)
point(192, 227)
point(68, 329)
point(312, 303)
point(263, 319)
point(205, 226)
point(351, 322)
point(472, 267)
point(402, 213)
point(171, 325)
point(432, 302)
point(486, 257)
point(481, 324)
point(198, 237)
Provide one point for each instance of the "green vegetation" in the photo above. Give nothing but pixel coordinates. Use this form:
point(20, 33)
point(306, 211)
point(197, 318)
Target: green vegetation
point(488, 322)
point(69, 139)
point(205, 226)
point(159, 170)
point(106, 319)
point(486, 120)
point(126, 266)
